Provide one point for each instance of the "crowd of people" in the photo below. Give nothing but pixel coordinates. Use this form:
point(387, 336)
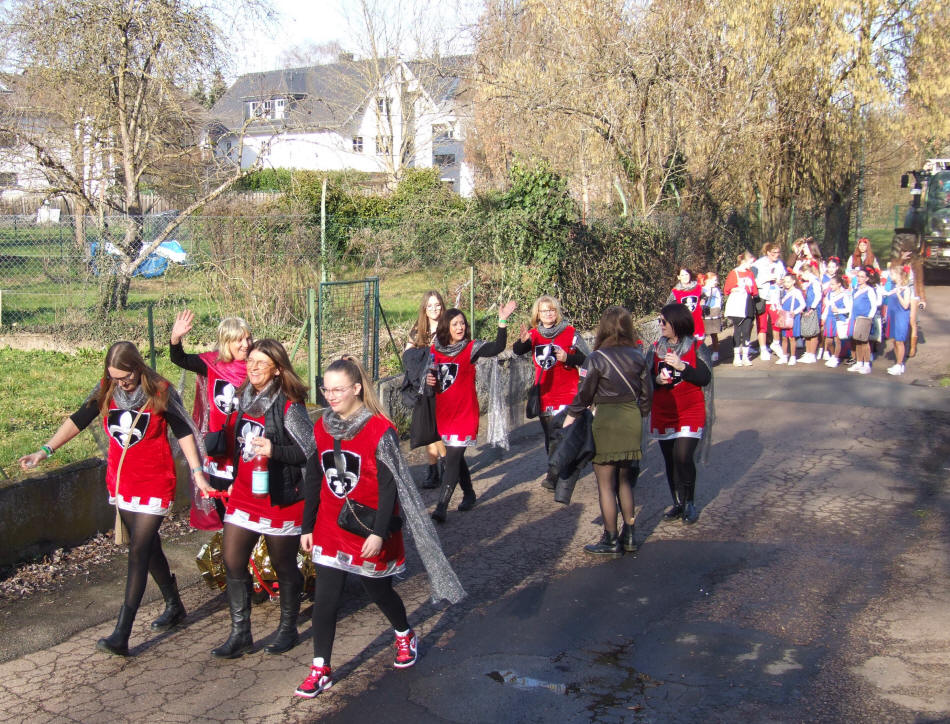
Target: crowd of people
point(340, 489)
point(837, 313)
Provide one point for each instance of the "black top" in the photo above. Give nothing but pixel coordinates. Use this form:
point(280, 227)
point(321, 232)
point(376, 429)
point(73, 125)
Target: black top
point(492, 349)
point(90, 411)
point(190, 362)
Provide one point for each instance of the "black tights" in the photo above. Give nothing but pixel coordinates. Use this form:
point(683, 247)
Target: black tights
point(616, 481)
point(548, 430)
point(456, 470)
point(680, 468)
point(328, 591)
point(145, 555)
point(282, 549)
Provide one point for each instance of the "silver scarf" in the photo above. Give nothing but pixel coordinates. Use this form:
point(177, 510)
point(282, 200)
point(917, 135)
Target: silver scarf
point(552, 332)
point(442, 579)
point(253, 403)
point(452, 349)
point(296, 421)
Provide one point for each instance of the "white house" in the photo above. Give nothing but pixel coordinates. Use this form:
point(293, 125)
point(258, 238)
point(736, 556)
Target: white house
point(377, 116)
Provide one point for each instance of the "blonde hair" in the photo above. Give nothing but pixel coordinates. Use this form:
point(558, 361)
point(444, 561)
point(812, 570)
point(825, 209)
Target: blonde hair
point(353, 369)
point(231, 329)
point(536, 309)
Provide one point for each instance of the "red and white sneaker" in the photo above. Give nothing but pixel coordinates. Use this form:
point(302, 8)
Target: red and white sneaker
point(319, 680)
point(407, 650)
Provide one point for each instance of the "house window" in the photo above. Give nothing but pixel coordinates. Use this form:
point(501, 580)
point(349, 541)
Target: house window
point(384, 145)
point(443, 159)
point(7, 178)
point(384, 106)
point(272, 108)
point(443, 132)
point(357, 144)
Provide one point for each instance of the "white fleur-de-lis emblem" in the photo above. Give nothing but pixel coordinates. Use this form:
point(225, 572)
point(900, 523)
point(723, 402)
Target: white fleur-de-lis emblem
point(224, 396)
point(249, 431)
point(121, 427)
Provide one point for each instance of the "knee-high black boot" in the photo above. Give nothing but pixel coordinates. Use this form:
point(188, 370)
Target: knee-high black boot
point(677, 510)
point(445, 496)
point(239, 601)
point(468, 490)
point(285, 638)
point(174, 612)
point(690, 514)
point(432, 478)
point(118, 642)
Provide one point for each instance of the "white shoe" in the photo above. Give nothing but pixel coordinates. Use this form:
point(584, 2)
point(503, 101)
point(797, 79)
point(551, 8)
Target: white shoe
point(865, 369)
point(832, 362)
point(736, 360)
point(746, 362)
point(792, 361)
point(776, 347)
point(895, 370)
point(765, 356)
point(715, 356)
point(856, 367)
point(821, 353)
point(808, 359)
point(782, 360)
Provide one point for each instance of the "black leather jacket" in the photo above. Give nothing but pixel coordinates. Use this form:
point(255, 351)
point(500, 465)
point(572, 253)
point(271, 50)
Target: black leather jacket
point(601, 385)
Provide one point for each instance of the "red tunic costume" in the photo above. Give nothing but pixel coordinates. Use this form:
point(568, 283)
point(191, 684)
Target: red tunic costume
point(223, 379)
point(456, 404)
point(558, 382)
point(254, 512)
point(147, 480)
point(679, 409)
point(692, 298)
point(333, 546)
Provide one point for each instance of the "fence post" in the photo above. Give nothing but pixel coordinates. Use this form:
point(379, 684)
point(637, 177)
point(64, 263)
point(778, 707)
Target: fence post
point(376, 329)
point(791, 222)
point(151, 336)
point(1, 307)
point(311, 347)
point(323, 231)
point(366, 295)
point(897, 216)
point(471, 297)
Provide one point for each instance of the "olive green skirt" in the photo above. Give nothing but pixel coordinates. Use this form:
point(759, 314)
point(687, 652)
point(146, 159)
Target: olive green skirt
point(617, 430)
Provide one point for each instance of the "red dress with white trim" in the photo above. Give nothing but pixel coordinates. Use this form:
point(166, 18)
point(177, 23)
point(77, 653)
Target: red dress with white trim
point(255, 512)
point(333, 546)
point(147, 479)
point(223, 379)
point(692, 298)
point(456, 402)
point(679, 409)
point(558, 382)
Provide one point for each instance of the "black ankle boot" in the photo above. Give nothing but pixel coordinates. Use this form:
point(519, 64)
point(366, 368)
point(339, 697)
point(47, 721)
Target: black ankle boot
point(550, 479)
point(690, 514)
point(441, 508)
point(432, 478)
point(239, 601)
point(627, 538)
point(677, 510)
point(174, 612)
point(285, 638)
point(608, 545)
point(118, 642)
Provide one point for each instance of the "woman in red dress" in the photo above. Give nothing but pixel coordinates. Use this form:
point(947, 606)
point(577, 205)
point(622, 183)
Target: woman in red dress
point(689, 291)
point(456, 402)
point(681, 368)
point(137, 407)
point(272, 423)
point(358, 467)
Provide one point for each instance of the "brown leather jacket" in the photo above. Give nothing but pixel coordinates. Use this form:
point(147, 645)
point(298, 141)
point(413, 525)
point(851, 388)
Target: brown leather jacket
point(601, 385)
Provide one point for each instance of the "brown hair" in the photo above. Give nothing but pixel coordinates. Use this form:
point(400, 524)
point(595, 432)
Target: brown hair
point(743, 256)
point(290, 383)
point(615, 329)
point(422, 321)
point(351, 367)
point(443, 334)
point(125, 356)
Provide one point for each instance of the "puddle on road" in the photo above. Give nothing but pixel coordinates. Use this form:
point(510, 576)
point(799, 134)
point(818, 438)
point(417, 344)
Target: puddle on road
point(525, 682)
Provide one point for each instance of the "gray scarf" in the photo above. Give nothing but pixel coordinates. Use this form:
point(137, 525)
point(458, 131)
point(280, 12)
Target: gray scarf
point(128, 400)
point(442, 579)
point(552, 332)
point(682, 347)
point(253, 403)
point(452, 349)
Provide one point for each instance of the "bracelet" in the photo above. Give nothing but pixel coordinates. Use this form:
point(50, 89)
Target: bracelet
point(502, 321)
point(198, 469)
point(48, 450)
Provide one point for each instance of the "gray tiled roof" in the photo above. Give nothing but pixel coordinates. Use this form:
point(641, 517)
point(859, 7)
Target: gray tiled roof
point(330, 96)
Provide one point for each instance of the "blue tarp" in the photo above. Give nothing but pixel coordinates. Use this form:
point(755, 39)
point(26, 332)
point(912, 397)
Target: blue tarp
point(155, 264)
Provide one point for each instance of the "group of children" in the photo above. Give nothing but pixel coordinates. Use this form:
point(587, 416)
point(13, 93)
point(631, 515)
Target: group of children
point(836, 312)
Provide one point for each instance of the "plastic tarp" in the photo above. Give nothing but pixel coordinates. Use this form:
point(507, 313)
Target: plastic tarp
point(155, 264)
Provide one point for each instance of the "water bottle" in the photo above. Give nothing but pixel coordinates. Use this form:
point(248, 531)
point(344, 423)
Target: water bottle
point(434, 370)
point(260, 485)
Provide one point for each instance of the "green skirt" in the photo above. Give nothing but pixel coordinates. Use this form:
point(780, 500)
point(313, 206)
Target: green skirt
point(617, 429)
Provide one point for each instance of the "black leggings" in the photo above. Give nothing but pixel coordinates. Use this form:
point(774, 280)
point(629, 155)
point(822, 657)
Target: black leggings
point(741, 331)
point(545, 420)
point(680, 468)
point(456, 470)
point(145, 555)
point(282, 549)
point(328, 591)
point(615, 482)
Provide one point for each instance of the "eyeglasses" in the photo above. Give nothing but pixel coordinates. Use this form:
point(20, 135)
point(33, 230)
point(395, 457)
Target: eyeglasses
point(127, 380)
point(547, 311)
point(260, 364)
point(329, 392)
point(434, 306)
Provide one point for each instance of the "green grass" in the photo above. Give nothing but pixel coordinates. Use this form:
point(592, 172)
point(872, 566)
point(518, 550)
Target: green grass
point(39, 389)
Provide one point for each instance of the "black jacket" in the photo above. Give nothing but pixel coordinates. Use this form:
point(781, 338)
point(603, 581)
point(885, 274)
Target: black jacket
point(573, 448)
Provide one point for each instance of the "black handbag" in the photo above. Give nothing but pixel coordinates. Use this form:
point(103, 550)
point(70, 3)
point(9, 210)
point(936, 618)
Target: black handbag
point(422, 428)
point(357, 518)
point(758, 306)
point(532, 408)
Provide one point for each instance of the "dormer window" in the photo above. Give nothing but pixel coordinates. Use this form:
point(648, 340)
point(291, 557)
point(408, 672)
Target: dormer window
point(272, 109)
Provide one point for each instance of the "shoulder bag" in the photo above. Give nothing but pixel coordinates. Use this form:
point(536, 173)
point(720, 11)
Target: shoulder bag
point(357, 518)
point(862, 329)
point(810, 324)
point(121, 534)
point(784, 319)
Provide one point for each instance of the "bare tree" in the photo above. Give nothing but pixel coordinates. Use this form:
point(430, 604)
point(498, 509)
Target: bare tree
point(99, 101)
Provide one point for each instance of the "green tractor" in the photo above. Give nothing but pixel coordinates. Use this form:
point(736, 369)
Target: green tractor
point(926, 230)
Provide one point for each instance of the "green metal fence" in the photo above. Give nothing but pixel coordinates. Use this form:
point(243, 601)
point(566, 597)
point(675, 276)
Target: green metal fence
point(348, 317)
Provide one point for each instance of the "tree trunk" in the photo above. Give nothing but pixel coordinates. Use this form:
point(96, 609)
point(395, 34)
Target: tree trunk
point(837, 223)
